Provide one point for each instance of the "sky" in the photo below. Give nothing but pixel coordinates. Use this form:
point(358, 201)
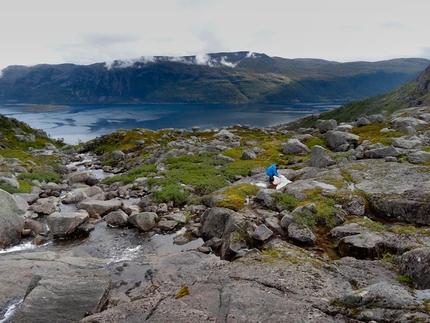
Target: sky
point(92, 31)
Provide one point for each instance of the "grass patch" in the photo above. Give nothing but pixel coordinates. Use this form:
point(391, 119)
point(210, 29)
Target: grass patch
point(241, 168)
point(373, 133)
point(314, 141)
point(130, 176)
point(41, 177)
point(405, 279)
point(325, 211)
point(373, 225)
point(287, 202)
point(171, 192)
point(10, 189)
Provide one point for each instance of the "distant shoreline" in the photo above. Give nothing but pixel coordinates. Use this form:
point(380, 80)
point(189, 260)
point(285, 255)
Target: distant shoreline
point(46, 107)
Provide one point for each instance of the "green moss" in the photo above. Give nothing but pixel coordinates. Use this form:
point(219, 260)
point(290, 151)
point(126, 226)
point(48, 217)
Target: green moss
point(234, 196)
point(373, 225)
point(373, 133)
point(10, 189)
point(325, 215)
point(388, 259)
point(41, 177)
point(130, 176)
point(405, 279)
point(314, 141)
point(287, 202)
point(171, 192)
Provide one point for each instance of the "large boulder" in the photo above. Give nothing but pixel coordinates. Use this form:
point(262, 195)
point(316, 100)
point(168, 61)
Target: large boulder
point(403, 122)
point(11, 220)
point(99, 207)
point(9, 179)
point(145, 221)
point(416, 264)
point(63, 224)
point(67, 298)
point(295, 147)
point(341, 141)
point(325, 125)
point(320, 158)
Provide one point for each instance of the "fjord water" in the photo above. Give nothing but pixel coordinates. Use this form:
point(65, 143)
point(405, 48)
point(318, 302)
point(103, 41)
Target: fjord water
point(84, 122)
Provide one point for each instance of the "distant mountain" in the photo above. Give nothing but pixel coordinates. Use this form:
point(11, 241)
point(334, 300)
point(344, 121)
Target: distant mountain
point(239, 77)
point(414, 93)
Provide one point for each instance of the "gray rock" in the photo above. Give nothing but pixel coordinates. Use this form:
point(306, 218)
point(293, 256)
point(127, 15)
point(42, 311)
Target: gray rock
point(28, 197)
point(295, 147)
point(167, 225)
point(301, 233)
point(232, 245)
point(9, 181)
point(320, 158)
point(286, 219)
point(11, 220)
point(249, 154)
point(382, 152)
point(402, 122)
point(346, 230)
point(341, 141)
point(117, 155)
point(45, 206)
point(145, 221)
point(226, 135)
point(63, 224)
point(377, 118)
point(408, 142)
point(216, 223)
point(262, 233)
point(360, 246)
point(265, 198)
point(419, 157)
point(51, 298)
point(325, 125)
point(116, 218)
point(224, 158)
point(416, 264)
point(362, 121)
point(99, 207)
point(381, 295)
point(178, 217)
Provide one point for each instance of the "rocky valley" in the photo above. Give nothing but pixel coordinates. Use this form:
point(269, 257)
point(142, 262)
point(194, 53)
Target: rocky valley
point(348, 240)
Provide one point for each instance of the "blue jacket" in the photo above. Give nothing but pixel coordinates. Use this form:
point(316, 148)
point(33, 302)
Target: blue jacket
point(272, 171)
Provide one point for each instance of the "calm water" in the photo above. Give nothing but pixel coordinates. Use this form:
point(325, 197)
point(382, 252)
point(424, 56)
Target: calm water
point(85, 122)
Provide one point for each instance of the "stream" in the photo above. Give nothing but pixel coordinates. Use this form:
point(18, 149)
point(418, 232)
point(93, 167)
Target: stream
point(110, 245)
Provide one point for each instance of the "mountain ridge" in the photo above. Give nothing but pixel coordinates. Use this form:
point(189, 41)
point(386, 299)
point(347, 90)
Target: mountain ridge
point(238, 77)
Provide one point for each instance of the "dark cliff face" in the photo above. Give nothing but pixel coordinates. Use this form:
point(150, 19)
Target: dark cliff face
point(240, 77)
point(423, 81)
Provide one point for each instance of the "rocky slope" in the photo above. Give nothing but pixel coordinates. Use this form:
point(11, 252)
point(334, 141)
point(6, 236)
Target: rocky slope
point(348, 240)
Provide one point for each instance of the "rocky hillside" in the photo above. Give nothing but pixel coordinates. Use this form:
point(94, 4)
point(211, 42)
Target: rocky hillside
point(415, 93)
point(239, 77)
point(348, 240)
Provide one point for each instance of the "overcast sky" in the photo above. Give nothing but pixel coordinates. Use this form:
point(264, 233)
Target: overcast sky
point(89, 31)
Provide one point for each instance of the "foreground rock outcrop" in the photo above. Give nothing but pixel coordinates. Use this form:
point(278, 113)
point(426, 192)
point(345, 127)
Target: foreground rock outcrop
point(347, 240)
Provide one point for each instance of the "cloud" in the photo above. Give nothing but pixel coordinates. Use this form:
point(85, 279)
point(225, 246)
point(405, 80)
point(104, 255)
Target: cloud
point(397, 26)
point(86, 32)
point(424, 52)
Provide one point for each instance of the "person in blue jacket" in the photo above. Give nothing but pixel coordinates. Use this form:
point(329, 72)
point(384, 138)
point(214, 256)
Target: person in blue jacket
point(272, 171)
